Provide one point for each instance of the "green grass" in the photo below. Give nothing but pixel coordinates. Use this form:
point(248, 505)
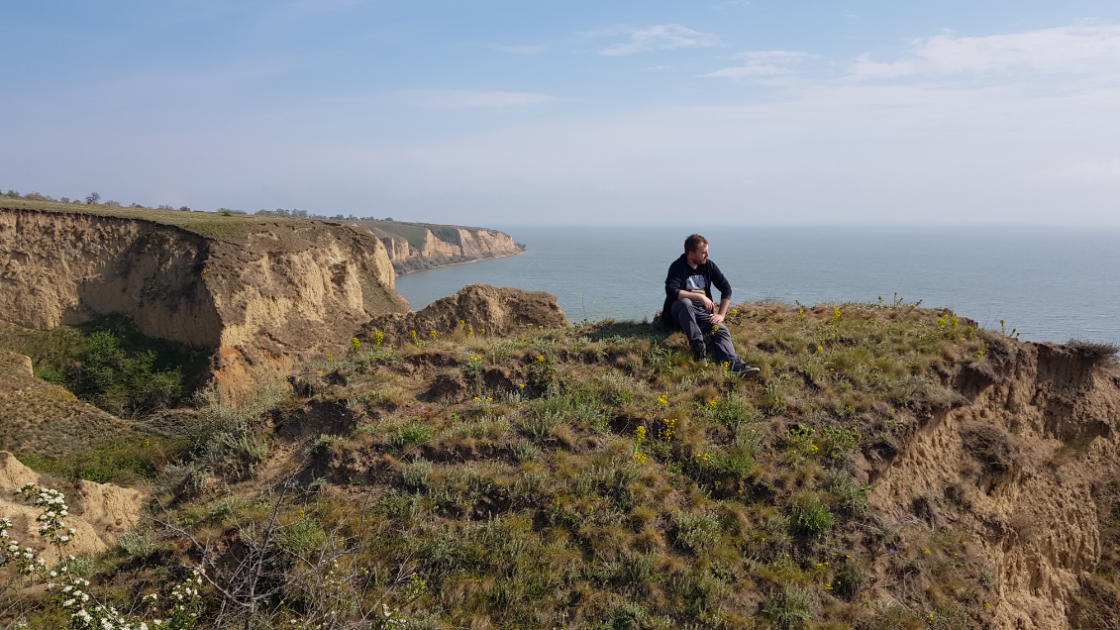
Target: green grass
point(540, 509)
point(123, 462)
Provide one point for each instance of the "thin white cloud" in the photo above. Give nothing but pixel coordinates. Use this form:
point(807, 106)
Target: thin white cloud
point(1106, 170)
point(661, 37)
point(764, 63)
point(1067, 49)
point(461, 99)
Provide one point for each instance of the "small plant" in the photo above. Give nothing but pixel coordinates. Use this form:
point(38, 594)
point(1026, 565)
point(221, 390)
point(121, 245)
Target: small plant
point(355, 344)
point(378, 337)
point(415, 338)
point(731, 411)
point(472, 369)
point(542, 373)
point(416, 473)
point(789, 606)
point(412, 434)
point(810, 515)
point(697, 531)
point(639, 436)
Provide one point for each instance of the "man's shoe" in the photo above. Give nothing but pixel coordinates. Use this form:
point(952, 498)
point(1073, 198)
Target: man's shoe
point(698, 355)
point(742, 369)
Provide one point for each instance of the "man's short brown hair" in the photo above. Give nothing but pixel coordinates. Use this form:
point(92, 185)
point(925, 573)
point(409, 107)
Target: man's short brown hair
point(694, 242)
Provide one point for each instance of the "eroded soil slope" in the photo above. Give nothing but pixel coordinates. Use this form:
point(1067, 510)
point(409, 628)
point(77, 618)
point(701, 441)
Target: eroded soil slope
point(1016, 467)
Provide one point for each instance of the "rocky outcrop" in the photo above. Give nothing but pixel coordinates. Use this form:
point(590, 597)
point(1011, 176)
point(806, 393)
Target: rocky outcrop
point(266, 295)
point(1013, 470)
point(484, 308)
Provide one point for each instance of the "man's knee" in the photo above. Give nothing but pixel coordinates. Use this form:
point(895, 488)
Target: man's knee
point(680, 307)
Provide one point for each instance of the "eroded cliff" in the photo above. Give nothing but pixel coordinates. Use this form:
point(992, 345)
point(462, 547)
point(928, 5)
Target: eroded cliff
point(265, 294)
point(1018, 469)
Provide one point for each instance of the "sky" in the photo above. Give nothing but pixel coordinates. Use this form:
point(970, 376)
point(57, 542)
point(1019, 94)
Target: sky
point(573, 112)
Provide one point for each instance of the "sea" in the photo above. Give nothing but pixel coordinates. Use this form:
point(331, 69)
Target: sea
point(1046, 284)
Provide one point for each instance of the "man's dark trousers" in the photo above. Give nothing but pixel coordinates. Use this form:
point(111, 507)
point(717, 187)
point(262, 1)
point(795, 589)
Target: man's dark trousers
point(695, 322)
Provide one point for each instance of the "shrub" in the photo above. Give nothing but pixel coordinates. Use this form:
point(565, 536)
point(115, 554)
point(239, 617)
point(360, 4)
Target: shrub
point(850, 497)
point(629, 617)
point(542, 373)
point(838, 443)
point(136, 543)
point(810, 515)
point(302, 537)
point(121, 382)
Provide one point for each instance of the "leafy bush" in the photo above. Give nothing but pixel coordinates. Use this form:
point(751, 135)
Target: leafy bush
point(848, 582)
point(110, 364)
point(121, 382)
point(850, 497)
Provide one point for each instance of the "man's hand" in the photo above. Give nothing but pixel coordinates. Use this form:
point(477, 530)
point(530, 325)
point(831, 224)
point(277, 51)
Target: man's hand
point(709, 305)
point(715, 318)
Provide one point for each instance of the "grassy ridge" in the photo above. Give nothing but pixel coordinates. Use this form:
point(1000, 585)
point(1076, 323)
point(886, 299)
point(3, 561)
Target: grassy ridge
point(583, 477)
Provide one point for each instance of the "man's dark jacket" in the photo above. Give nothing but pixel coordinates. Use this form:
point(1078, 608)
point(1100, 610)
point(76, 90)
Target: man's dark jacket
point(679, 272)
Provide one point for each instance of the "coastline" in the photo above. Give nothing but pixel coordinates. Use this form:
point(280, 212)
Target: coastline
point(453, 264)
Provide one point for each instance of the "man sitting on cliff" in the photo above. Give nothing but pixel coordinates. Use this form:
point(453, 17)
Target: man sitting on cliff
point(689, 306)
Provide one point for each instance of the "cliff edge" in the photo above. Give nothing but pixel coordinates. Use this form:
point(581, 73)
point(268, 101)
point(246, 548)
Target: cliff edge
point(262, 293)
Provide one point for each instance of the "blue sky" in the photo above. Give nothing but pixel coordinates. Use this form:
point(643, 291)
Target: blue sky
point(573, 112)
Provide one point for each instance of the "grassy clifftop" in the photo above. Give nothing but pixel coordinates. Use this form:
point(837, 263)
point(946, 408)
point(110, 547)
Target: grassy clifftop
point(235, 224)
point(207, 224)
point(892, 467)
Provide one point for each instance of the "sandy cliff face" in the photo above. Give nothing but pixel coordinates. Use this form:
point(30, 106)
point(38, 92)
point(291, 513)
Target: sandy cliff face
point(67, 268)
point(479, 243)
point(473, 244)
point(286, 290)
point(1013, 469)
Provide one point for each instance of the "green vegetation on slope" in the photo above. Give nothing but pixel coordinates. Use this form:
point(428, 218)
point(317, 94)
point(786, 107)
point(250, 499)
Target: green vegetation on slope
point(584, 477)
point(108, 363)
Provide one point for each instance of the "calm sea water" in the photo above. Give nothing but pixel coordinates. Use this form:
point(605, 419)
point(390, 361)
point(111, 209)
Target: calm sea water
point(1050, 284)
